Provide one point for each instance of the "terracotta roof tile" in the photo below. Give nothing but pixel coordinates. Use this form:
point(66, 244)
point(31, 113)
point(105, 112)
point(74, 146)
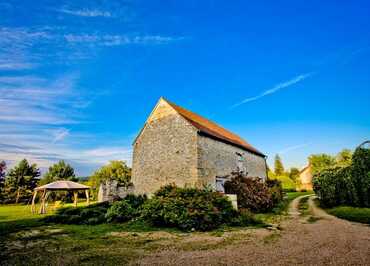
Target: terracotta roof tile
point(213, 130)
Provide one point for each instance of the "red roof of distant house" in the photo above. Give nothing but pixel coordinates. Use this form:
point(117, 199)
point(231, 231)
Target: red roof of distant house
point(211, 129)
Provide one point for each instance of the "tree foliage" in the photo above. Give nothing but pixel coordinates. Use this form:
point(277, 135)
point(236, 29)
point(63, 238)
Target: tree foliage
point(345, 185)
point(361, 175)
point(2, 173)
point(278, 166)
point(115, 170)
point(294, 173)
point(320, 162)
point(344, 158)
point(59, 171)
point(21, 180)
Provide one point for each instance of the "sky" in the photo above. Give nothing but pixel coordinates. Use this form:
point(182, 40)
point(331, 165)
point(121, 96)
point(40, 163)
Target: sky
point(79, 78)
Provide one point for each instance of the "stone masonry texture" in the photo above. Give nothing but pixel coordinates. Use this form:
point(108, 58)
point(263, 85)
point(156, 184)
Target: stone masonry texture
point(170, 150)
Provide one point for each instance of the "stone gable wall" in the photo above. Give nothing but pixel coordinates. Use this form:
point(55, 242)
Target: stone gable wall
point(165, 152)
point(220, 159)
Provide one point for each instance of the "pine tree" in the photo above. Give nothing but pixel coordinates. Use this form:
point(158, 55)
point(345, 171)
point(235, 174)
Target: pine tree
point(59, 171)
point(279, 168)
point(22, 179)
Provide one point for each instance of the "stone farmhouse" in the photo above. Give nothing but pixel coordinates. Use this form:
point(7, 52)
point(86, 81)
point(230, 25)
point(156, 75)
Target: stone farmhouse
point(178, 146)
point(305, 179)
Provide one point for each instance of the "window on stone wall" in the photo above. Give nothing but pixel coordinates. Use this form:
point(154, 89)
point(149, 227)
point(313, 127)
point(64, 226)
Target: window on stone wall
point(220, 181)
point(240, 163)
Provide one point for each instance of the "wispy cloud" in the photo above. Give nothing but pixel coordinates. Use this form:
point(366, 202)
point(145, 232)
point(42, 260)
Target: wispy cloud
point(276, 88)
point(60, 134)
point(87, 13)
point(294, 147)
point(118, 40)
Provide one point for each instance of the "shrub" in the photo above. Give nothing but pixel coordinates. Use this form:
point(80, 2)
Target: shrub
point(188, 208)
point(252, 193)
point(125, 209)
point(361, 175)
point(334, 186)
point(120, 211)
point(276, 190)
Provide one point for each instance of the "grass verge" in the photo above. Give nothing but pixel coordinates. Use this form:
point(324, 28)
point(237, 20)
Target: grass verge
point(355, 214)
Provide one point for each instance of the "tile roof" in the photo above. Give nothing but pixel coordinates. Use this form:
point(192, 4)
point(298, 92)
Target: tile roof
point(211, 129)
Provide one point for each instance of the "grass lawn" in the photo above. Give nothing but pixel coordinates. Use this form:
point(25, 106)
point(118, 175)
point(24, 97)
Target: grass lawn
point(25, 239)
point(286, 182)
point(280, 211)
point(360, 215)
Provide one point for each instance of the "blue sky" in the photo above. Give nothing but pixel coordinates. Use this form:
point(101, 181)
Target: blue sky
point(79, 78)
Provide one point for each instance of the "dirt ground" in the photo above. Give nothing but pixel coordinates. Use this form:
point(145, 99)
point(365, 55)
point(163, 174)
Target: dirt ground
point(315, 238)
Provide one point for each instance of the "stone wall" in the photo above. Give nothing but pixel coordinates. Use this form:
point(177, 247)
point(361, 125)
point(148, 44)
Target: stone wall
point(220, 159)
point(305, 180)
point(110, 190)
point(165, 152)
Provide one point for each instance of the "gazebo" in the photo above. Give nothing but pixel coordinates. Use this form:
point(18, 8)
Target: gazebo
point(58, 186)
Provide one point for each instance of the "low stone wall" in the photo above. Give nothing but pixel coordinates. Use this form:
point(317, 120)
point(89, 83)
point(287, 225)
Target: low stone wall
point(110, 190)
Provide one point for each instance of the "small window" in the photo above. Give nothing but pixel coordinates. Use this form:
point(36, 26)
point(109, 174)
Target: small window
point(220, 182)
point(240, 163)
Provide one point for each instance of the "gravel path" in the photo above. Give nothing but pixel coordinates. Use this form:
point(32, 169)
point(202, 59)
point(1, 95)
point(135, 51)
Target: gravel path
point(325, 240)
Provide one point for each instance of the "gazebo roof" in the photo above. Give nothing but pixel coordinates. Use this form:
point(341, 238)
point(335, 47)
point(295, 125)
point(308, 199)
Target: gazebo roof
point(63, 185)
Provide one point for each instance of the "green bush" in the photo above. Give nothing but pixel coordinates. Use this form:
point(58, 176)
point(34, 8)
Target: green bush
point(120, 211)
point(188, 209)
point(253, 194)
point(349, 185)
point(334, 187)
point(361, 175)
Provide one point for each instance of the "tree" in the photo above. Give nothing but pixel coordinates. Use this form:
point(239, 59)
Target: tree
point(2, 173)
point(294, 173)
point(361, 175)
point(22, 179)
point(115, 170)
point(320, 162)
point(278, 166)
point(344, 158)
point(59, 171)
point(2, 177)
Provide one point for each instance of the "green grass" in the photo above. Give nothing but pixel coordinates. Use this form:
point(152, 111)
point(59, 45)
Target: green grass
point(280, 211)
point(25, 238)
point(360, 215)
point(286, 182)
point(303, 206)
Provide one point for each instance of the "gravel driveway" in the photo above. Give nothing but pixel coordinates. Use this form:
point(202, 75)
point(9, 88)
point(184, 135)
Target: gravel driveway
point(317, 239)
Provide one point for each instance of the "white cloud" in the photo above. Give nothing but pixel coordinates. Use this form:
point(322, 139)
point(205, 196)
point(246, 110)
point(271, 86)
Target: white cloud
point(15, 65)
point(276, 88)
point(294, 147)
point(87, 13)
point(60, 134)
point(118, 40)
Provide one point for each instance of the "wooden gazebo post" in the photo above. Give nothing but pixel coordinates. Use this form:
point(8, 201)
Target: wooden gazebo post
point(75, 196)
point(58, 186)
point(87, 196)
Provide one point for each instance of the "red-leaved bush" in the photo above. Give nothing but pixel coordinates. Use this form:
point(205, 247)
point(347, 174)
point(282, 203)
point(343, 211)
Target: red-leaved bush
point(253, 194)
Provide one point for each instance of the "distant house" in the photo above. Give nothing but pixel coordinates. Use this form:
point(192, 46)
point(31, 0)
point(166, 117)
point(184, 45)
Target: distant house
point(178, 146)
point(305, 179)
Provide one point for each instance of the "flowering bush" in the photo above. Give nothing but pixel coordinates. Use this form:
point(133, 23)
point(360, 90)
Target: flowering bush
point(253, 194)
